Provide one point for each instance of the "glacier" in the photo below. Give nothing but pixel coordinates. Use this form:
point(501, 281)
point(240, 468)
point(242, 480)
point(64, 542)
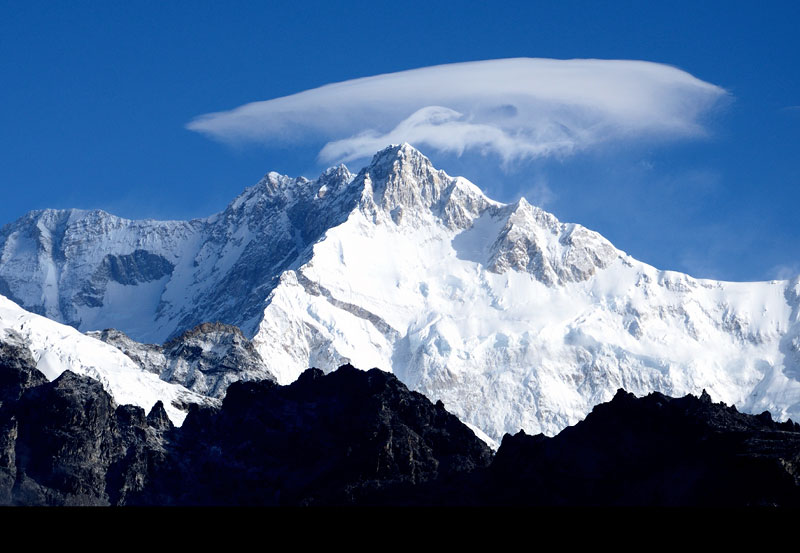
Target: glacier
point(512, 318)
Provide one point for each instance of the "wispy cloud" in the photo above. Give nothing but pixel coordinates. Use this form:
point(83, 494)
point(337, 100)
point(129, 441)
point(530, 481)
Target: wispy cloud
point(539, 192)
point(785, 271)
point(515, 108)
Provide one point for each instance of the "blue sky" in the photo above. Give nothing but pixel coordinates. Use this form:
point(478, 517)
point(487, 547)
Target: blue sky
point(95, 98)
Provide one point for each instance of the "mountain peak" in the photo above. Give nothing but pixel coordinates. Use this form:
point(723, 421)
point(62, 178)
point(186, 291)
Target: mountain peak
point(402, 183)
point(335, 171)
point(395, 158)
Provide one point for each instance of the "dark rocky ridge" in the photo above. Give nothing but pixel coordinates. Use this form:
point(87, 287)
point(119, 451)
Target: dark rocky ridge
point(654, 450)
point(349, 437)
point(346, 438)
point(356, 438)
point(66, 442)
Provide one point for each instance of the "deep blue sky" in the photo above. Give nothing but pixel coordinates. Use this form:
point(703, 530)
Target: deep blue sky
point(94, 98)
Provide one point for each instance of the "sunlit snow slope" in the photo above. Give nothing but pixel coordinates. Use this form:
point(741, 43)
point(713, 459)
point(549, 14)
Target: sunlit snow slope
point(57, 348)
point(512, 318)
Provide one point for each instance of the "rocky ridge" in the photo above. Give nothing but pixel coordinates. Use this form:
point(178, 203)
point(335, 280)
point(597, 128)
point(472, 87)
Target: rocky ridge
point(356, 437)
point(55, 348)
point(205, 359)
point(345, 438)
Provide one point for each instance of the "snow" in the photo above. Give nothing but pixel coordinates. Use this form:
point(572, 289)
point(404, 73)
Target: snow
point(482, 435)
point(508, 349)
point(57, 348)
point(125, 306)
point(512, 318)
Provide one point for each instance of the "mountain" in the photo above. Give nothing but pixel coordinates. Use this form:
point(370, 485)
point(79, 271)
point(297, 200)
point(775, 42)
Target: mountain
point(66, 442)
point(344, 438)
point(205, 359)
point(54, 348)
point(512, 318)
point(356, 437)
point(653, 450)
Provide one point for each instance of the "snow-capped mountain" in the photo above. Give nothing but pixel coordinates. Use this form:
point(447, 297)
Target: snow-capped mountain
point(56, 348)
point(510, 317)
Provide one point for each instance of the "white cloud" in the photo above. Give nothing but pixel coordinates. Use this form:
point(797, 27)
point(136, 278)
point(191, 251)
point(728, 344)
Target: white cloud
point(516, 108)
point(539, 193)
point(785, 271)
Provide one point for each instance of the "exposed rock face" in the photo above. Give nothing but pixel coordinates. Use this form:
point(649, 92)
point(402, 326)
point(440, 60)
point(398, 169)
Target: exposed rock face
point(138, 267)
point(53, 348)
point(16, 375)
point(654, 450)
point(362, 438)
point(149, 357)
point(402, 187)
point(67, 443)
point(535, 242)
point(349, 437)
point(346, 438)
point(205, 359)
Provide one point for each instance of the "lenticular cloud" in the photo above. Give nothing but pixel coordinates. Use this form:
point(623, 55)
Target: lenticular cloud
point(515, 108)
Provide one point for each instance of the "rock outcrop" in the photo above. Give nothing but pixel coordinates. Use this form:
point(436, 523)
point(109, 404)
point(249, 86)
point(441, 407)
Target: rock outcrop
point(205, 359)
point(653, 450)
point(350, 437)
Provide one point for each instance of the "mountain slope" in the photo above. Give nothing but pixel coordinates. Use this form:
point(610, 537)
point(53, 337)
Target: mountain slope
point(510, 317)
point(362, 438)
point(348, 437)
point(205, 359)
point(56, 348)
point(653, 450)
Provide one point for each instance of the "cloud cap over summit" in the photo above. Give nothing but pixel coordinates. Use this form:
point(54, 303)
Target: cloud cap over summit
point(515, 108)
